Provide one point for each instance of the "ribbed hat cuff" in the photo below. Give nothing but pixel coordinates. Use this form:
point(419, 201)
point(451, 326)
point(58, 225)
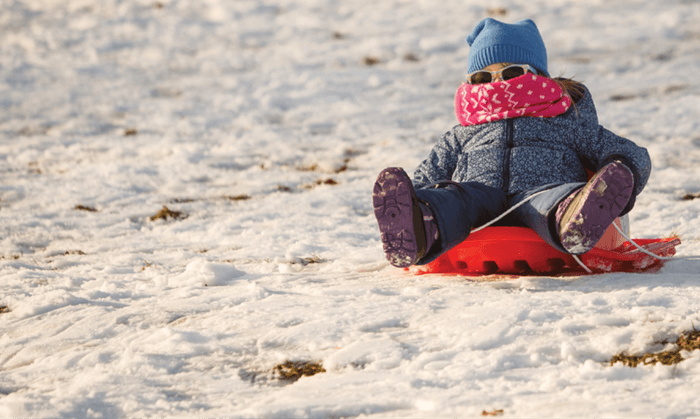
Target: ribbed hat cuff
point(505, 54)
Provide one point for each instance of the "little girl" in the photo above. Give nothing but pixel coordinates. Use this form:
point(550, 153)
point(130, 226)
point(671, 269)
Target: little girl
point(523, 136)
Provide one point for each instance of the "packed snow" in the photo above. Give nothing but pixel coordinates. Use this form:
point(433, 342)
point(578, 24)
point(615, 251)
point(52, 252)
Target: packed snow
point(261, 126)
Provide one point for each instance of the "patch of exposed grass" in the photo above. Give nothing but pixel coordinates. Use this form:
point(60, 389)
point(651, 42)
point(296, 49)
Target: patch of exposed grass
point(349, 154)
point(665, 358)
point(664, 56)
point(242, 197)
point(166, 213)
point(30, 131)
point(690, 196)
point(309, 168)
point(344, 167)
point(675, 88)
point(370, 61)
point(622, 97)
point(129, 132)
point(34, 168)
point(328, 181)
point(411, 57)
point(315, 168)
point(283, 188)
point(312, 259)
point(4, 309)
point(294, 370)
point(84, 208)
point(495, 412)
point(182, 200)
point(497, 11)
point(688, 341)
point(74, 252)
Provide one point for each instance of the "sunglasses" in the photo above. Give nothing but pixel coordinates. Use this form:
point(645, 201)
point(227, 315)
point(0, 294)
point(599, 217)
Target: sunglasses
point(506, 73)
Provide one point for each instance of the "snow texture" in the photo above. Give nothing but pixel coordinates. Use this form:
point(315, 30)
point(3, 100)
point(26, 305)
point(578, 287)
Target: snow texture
point(264, 124)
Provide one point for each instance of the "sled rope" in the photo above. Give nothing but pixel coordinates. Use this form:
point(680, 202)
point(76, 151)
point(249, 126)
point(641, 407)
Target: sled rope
point(645, 251)
point(511, 209)
point(585, 268)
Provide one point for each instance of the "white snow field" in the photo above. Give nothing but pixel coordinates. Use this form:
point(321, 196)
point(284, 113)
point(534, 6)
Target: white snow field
point(264, 124)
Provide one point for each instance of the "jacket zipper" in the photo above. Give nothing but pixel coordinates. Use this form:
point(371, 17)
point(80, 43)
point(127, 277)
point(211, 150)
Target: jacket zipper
point(509, 147)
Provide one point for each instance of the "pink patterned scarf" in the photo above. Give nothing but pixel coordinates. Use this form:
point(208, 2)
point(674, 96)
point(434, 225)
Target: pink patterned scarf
point(527, 95)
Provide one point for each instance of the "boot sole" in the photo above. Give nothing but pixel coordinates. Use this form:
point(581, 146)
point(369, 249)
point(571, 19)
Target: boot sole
point(399, 218)
point(595, 207)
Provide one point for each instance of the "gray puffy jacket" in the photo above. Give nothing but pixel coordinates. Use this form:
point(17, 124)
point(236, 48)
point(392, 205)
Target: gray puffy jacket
point(519, 154)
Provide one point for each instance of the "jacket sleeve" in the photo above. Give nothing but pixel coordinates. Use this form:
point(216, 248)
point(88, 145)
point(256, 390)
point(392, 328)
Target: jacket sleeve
point(597, 146)
point(440, 164)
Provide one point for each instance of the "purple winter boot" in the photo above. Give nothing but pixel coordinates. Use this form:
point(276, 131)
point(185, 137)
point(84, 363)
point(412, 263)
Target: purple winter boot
point(584, 216)
point(401, 220)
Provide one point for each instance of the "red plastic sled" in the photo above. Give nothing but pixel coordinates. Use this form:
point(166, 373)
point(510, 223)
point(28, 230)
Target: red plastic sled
point(520, 251)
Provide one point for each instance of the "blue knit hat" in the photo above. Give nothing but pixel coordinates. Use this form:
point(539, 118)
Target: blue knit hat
point(494, 42)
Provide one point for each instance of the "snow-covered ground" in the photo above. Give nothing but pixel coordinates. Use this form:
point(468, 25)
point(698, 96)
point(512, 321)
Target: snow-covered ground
point(265, 123)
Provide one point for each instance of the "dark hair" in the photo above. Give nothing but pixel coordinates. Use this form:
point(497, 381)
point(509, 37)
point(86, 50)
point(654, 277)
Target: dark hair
point(574, 89)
